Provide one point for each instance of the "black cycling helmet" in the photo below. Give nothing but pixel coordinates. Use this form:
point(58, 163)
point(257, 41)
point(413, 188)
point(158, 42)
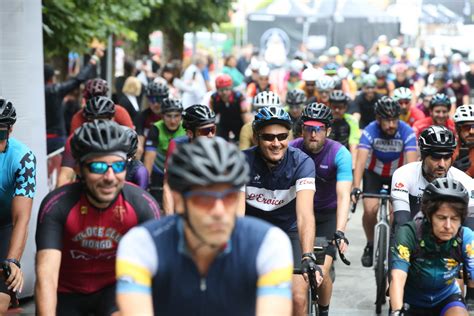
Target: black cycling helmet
point(133, 136)
point(381, 73)
point(387, 108)
point(436, 140)
point(338, 96)
point(95, 87)
point(317, 112)
point(445, 189)
point(99, 107)
point(207, 161)
point(269, 115)
point(295, 97)
point(157, 89)
point(100, 137)
point(198, 115)
point(439, 75)
point(171, 105)
point(7, 113)
point(440, 99)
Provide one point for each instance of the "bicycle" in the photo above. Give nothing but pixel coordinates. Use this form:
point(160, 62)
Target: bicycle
point(381, 244)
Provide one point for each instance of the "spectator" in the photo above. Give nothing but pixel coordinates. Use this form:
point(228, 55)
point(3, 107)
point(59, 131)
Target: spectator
point(230, 69)
point(128, 99)
point(194, 87)
point(71, 105)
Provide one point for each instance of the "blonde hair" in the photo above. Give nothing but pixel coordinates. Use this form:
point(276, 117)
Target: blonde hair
point(132, 86)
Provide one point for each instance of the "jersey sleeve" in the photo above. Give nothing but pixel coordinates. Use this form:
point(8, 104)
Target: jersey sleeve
point(122, 117)
point(275, 265)
point(246, 134)
point(25, 176)
point(68, 160)
point(366, 140)
point(140, 124)
point(405, 241)
point(51, 220)
point(343, 161)
point(136, 266)
point(468, 251)
point(76, 121)
point(151, 142)
point(354, 133)
point(410, 140)
point(305, 177)
point(399, 192)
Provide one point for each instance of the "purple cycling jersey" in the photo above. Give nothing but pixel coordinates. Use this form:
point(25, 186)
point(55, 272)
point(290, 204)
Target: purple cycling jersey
point(137, 174)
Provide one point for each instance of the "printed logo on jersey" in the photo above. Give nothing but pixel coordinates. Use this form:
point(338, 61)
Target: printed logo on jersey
point(77, 254)
point(403, 253)
point(268, 200)
point(305, 184)
point(26, 175)
point(256, 178)
point(323, 166)
point(388, 145)
point(98, 237)
point(470, 250)
point(399, 186)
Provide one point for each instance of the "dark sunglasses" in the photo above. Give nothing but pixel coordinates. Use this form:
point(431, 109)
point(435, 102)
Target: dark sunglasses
point(404, 101)
point(310, 129)
point(271, 137)
point(156, 99)
point(207, 199)
point(440, 156)
point(101, 167)
point(206, 131)
point(467, 127)
point(3, 134)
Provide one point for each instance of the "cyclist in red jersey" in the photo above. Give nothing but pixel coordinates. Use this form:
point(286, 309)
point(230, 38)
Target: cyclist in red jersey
point(440, 107)
point(409, 113)
point(80, 225)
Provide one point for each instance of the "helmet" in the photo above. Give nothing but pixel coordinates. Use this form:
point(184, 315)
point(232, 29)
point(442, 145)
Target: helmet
point(429, 91)
point(343, 72)
point(387, 108)
point(133, 136)
point(309, 74)
point(95, 87)
point(457, 77)
point(100, 137)
point(439, 75)
point(325, 83)
point(157, 89)
point(402, 93)
point(333, 51)
point(295, 97)
point(198, 115)
point(207, 161)
point(171, 105)
point(338, 96)
point(440, 99)
point(317, 112)
point(358, 64)
point(99, 106)
point(296, 65)
point(271, 115)
point(381, 73)
point(369, 81)
point(464, 113)
point(223, 81)
point(442, 189)
point(266, 98)
point(437, 140)
point(331, 69)
point(7, 113)
point(264, 71)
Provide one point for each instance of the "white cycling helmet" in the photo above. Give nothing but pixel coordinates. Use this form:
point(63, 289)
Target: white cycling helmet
point(325, 83)
point(464, 113)
point(296, 65)
point(266, 98)
point(264, 71)
point(402, 93)
point(358, 64)
point(343, 72)
point(309, 74)
point(429, 91)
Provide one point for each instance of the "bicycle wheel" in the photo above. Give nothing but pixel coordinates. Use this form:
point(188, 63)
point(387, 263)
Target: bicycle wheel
point(380, 254)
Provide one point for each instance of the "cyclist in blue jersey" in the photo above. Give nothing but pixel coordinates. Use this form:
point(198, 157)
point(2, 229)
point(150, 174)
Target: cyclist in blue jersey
point(205, 261)
point(281, 191)
point(386, 144)
point(429, 253)
point(333, 163)
point(17, 189)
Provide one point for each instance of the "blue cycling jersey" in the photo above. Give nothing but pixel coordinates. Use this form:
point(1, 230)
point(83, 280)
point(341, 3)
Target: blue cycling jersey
point(333, 163)
point(386, 153)
point(271, 193)
point(17, 176)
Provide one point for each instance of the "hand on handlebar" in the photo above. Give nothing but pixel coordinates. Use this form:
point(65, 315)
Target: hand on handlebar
point(341, 241)
point(355, 194)
point(310, 269)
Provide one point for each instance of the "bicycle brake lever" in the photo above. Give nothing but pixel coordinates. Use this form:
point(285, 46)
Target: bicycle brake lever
point(341, 255)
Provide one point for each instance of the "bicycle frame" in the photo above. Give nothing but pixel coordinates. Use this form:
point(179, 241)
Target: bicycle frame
point(383, 221)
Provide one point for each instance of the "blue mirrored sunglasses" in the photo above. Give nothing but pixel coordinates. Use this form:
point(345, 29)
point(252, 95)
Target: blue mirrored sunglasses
point(101, 167)
point(3, 134)
point(309, 129)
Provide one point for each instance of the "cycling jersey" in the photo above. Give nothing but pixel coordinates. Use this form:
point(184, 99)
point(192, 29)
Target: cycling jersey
point(145, 121)
point(255, 262)
point(17, 177)
point(432, 266)
point(470, 170)
point(413, 115)
point(364, 107)
point(137, 174)
point(387, 153)
point(87, 236)
point(271, 193)
point(333, 163)
point(230, 114)
point(408, 185)
point(121, 116)
point(382, 89)
point(421, 125)
point(345, 131)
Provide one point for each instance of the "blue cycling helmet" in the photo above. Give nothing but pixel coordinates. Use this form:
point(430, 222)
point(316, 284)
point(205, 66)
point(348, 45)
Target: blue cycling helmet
point(271, 115)
point(440, 99)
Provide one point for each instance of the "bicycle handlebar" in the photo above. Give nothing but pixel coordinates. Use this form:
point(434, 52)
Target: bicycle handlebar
point(312, 282)
point(341, 255)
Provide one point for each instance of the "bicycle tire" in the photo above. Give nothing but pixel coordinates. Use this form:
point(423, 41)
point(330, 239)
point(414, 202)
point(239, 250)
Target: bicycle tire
point(380, 273)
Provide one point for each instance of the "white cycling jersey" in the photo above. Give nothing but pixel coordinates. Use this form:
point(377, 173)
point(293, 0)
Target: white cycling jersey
point(408, 185)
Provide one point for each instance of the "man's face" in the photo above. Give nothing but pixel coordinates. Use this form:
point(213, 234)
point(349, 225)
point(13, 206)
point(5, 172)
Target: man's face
point(213, 218)
point(324, 95)
point(314, 137)
point(436, 166)
point(104, 188)
point(338, 110)
point(225, 93)
point(172, 120)
point(466, 132)
point(4, 135)
point(310, 87)
point(295, 110)
point(427, 100)
point(369, 92)
point(263, 81)
point(438, 84)
point(155, 104)
point(401, 76)
point(208, 130)
point(445, 222)
point(273, 149)
point(404, 105)
point(440, 115)
point(388, 126)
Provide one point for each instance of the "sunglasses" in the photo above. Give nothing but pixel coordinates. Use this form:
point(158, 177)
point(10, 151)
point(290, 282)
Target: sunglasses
point(441, 156)
point(207, 199)
point(206, 131)
point(271, 137)
point(156, 99)
point(310, 84)
point(3, 134)
point(403, 101)
point(224, 89)
point(101, 167)
point(467, 127)
point(310, 129)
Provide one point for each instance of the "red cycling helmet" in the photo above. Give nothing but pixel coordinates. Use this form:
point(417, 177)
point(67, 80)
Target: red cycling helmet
point(223, 81)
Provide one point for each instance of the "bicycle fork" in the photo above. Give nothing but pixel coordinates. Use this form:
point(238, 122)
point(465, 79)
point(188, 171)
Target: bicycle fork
point(378, 226)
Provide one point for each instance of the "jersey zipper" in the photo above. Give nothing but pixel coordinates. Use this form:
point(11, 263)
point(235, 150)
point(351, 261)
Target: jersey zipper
point(203, 284)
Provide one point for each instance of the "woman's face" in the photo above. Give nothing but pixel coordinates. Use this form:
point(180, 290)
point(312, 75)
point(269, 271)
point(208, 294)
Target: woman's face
point(232, 62)
point(445, 222)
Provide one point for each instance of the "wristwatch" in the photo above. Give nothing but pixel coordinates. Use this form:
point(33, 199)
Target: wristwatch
point(16, 262)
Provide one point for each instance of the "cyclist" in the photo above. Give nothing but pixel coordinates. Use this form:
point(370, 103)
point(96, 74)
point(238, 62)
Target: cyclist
point(386, 144)
point(182, 259)
point(231, 108)
point(80, 224)
point(324, 86)
point(425, 99)
point(308, 84)
point(464, 153)
point(262, 83)
point(295, 101)
point(429, 253)
point(17, 190)
point(382, 86)
point(409, 113)
point(362, 108)
point(440, 106)
point(136, 170)
point(333, 175)
point(344, 128)
point(281, 191)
